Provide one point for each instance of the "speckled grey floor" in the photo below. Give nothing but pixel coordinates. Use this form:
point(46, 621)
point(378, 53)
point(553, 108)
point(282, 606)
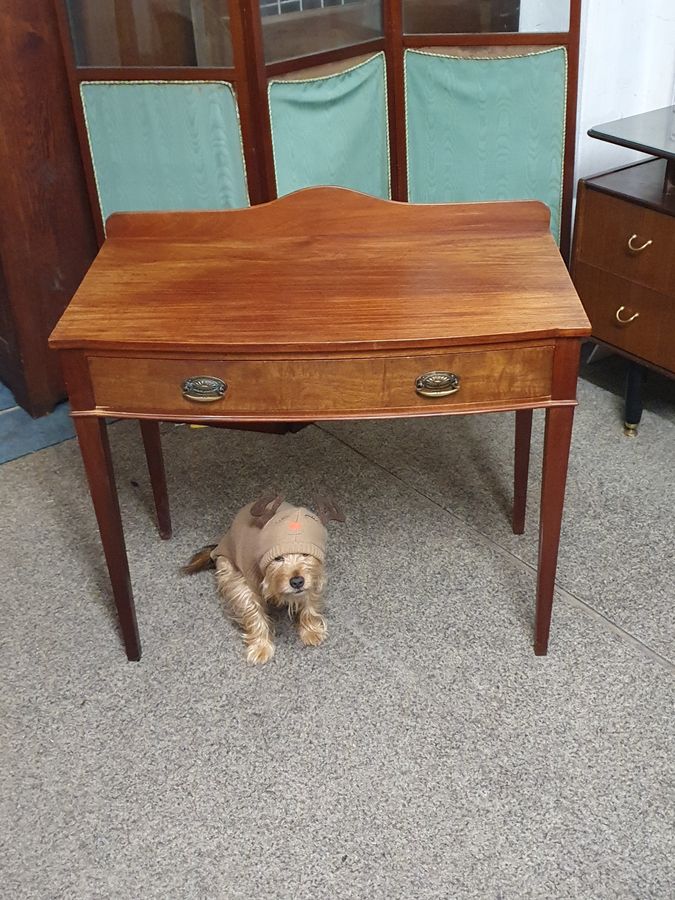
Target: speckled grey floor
point(423, 752)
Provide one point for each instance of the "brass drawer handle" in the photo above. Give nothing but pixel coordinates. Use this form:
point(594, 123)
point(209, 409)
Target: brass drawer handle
point(625, 321)
point(203, 388)
point(637, 249)
point(437, 384)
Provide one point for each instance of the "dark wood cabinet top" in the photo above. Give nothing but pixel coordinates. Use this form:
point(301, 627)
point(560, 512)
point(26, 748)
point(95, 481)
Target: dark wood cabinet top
point(325, 269)
point(643, 183)
point(650, 132)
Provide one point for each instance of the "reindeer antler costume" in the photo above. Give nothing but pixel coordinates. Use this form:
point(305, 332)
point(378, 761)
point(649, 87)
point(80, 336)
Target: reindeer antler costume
point(271, 527)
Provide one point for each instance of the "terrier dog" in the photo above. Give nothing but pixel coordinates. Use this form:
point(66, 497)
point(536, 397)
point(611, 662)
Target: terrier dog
point(272, 556)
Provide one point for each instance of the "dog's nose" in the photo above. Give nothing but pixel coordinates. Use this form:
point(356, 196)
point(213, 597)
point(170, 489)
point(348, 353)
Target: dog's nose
point(297, 581)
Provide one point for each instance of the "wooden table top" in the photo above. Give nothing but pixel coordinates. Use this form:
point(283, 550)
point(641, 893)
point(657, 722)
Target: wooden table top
point(324, 269)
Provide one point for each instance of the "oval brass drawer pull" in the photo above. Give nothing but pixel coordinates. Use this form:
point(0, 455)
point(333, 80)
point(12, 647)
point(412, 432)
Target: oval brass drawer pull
point(641, 247)
point(625, 321)
point(203, 388)
point(437, 384)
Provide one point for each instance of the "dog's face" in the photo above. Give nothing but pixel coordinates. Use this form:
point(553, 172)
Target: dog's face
point(292, 576)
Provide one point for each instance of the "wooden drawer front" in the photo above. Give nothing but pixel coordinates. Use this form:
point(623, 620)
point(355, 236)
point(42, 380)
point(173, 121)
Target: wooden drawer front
point(650, 336)
point(608, 225)
point(322, 387)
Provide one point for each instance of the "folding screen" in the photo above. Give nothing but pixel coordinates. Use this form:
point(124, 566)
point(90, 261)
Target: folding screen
point(207, 103)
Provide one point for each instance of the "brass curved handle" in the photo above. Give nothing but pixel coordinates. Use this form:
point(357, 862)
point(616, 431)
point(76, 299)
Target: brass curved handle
point(625, 321)
point(640, 248)
point(203, 388)
point(437, 384)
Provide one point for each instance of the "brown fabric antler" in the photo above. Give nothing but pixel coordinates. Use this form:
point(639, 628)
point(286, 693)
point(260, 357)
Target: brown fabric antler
point(265, 507)
point(327, 509)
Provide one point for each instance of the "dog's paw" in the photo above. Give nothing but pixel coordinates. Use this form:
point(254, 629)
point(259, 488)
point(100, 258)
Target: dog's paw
point(313, 632)
point(260, 652)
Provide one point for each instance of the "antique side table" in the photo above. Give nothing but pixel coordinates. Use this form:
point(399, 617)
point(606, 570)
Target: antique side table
point(325, 304)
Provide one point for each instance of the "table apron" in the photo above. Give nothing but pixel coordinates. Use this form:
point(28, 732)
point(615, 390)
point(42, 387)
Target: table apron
point(322, 388)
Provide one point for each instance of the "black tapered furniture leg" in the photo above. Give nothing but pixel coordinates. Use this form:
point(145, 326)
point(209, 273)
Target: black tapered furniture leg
point(633, 407)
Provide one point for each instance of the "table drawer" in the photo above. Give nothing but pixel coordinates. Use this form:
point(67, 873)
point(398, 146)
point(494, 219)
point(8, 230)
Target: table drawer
point(322, 387)
point(609, 225)
point(647, 325)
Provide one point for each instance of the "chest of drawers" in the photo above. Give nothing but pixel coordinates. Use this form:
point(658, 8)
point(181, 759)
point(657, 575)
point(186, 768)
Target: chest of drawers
point(623, 262)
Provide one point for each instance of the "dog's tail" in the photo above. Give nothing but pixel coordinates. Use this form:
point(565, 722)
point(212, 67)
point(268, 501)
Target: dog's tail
point(200, 561)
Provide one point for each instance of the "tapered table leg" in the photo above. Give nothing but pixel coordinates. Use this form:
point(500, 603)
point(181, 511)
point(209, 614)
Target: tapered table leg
point(521, 468)
point(633, 410)
point(153, 454)
point(557, 439)
point(93, 436)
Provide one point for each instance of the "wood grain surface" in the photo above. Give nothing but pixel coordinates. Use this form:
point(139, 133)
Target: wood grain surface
point(324, 304)
point(611, 279)
point(325, 387)
point(642, 184)
point(325, 269)
point(47, 238)
point(649, 336)
point(607, 226)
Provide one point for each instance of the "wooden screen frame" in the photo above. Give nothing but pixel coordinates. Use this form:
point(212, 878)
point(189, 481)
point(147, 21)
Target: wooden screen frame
point(250, 74)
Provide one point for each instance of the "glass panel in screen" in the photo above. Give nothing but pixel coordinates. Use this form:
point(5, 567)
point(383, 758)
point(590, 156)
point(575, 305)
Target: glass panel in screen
point(480, 16)
point(293, 28)
point(150, 32)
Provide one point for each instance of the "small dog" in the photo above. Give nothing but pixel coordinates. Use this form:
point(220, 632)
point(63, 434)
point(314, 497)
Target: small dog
point(272, 555)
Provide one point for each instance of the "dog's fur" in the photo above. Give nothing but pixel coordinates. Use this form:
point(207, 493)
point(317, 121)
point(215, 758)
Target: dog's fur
point(249, 603)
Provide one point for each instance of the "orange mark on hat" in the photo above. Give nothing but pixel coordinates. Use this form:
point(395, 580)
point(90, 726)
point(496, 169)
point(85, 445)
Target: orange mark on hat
point(294, 526)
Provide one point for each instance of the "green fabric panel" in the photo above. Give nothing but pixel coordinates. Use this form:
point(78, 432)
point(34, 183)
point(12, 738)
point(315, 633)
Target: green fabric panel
point(486, 129)
point(164, 146)
point(332, 130)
